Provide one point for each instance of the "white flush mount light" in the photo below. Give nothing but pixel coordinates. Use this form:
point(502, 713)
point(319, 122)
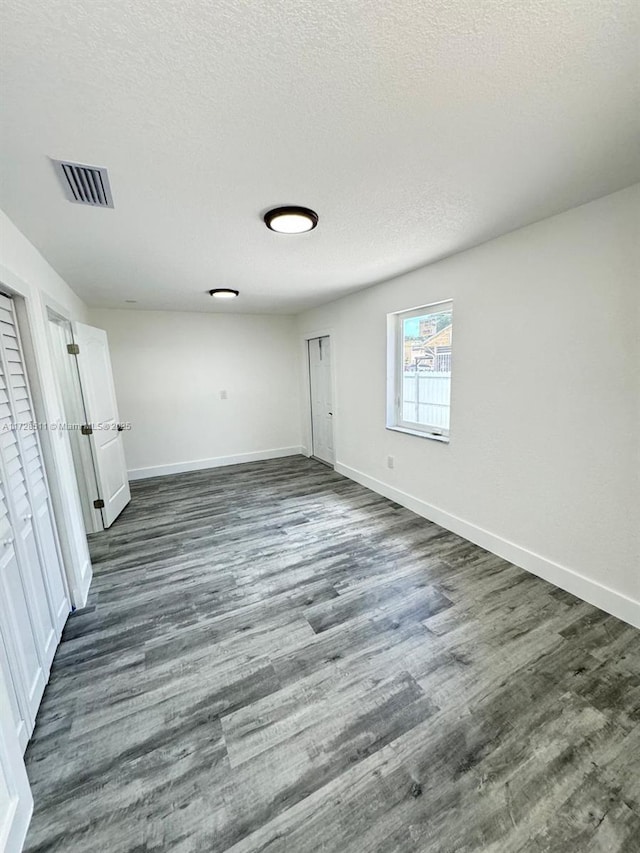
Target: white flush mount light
point(291, 220)
point(224, 293)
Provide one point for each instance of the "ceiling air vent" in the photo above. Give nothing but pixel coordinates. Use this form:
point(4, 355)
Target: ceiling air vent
point(84, 184)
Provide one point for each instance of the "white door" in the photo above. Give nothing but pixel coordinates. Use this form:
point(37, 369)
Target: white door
point(16, 802)
point(66, 367)
point(30, 500)
point(321, 399)
point(20, 657)
point(96, 379)
point(12, 710)
point(21, 635)
point(34, 602)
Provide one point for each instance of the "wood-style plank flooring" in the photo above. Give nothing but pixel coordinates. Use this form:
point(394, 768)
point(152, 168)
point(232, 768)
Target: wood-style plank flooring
point(276, 659)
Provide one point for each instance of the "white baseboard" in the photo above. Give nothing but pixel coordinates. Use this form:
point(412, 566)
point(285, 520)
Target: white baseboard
point(214, 462)
point(588, 590)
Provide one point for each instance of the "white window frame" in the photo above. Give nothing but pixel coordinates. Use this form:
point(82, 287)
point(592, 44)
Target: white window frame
point(395, 369)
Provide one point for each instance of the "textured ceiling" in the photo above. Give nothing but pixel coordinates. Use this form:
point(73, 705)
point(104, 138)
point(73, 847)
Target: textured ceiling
point(415, 128)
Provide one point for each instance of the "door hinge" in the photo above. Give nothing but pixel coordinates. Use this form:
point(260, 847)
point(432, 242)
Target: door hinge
point(99, 503)
point(85, 429)
point(73, 349)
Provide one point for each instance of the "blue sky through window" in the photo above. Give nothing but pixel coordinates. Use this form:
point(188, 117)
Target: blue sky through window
point(412, 327)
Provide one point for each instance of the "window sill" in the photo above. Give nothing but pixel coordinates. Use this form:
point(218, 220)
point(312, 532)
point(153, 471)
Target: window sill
point(444, 439)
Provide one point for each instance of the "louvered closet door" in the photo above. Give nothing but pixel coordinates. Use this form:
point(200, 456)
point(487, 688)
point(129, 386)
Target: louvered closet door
point(19, 715)
point(20, 644)
point(35, 480)
point(33, 576)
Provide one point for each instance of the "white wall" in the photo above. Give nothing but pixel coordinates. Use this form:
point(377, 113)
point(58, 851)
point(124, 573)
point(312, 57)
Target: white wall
point(543, 462)
point(169, 370)
point(25, 273)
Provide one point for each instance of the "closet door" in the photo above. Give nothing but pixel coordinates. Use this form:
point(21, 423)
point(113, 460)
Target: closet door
point(19, 637)
point(17, 717)
point(16, 802)
point(41, 514)
point(34, 602)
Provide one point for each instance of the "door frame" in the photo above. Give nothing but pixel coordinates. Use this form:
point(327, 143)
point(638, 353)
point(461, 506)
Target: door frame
point(307, 428)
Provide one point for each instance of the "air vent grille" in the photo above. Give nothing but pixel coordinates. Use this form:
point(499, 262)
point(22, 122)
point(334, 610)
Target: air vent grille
point(84, 184)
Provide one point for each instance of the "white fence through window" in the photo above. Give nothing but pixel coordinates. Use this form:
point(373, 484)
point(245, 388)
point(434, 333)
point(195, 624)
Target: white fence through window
point(425, 397)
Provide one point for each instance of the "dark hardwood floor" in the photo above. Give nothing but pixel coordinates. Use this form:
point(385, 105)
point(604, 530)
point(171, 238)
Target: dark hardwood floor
point(274, 658)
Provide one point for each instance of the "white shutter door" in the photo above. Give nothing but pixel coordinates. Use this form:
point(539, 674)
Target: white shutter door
point(17, 718)
point(33, 598)
point(16, 801)
point(19, 638)
point(41, 514)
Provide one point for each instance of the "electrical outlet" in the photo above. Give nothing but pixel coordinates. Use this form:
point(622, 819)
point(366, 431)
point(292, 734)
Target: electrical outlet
point(223, 395)
point(391, 461)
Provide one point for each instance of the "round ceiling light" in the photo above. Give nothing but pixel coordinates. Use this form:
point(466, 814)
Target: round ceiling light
point(291, 220)
point(224, 293)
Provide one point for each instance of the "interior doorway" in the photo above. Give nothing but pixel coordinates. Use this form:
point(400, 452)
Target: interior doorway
point(321, 397)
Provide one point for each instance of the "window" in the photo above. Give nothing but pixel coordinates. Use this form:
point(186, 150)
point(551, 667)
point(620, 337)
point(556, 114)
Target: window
point(419, 377)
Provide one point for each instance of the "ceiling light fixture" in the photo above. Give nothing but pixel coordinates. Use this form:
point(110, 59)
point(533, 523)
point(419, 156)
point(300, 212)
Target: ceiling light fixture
point(224, 293)
point(291, 220)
